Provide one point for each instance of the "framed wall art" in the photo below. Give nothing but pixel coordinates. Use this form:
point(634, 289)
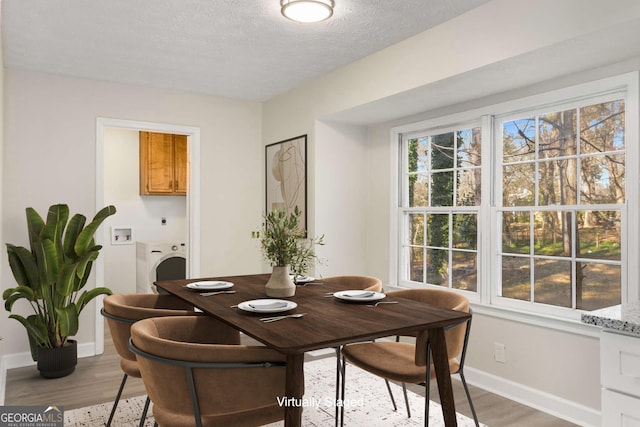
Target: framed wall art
point(286, 176)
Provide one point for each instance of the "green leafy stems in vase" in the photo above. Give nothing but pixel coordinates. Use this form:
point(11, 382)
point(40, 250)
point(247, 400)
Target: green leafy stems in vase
point(283, 242)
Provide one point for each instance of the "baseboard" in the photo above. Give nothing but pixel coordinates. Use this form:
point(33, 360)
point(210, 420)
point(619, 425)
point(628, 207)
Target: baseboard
point(539, 400)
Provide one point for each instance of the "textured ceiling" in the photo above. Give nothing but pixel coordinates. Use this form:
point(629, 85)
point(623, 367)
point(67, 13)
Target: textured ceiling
point(234, 48)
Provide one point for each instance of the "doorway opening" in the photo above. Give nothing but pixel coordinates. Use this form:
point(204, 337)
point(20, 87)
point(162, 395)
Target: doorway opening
point(191, 209)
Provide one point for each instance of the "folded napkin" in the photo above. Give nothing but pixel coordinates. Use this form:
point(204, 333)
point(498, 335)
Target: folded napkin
point(360, 295)
point(278, 304)
point(207, 285)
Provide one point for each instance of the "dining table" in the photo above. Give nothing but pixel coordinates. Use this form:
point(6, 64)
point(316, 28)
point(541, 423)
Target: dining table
point(328, 322)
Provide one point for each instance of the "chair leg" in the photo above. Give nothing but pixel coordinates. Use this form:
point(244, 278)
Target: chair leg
point(344, 380)
point(393, 401)
point(144, 412)
point(338, 382)
point(427, 386)
point(406, 399)
point(115, 403)
point(466, 390)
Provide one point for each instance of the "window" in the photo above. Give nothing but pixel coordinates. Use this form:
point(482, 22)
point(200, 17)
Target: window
point(563, 199)
point(524, 204)
point(443, 172)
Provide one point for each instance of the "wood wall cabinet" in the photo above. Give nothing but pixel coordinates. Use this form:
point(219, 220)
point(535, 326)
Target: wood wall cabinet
point(163, 164)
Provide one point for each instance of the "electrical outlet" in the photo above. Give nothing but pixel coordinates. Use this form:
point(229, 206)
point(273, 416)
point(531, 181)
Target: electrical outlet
point(499, 353)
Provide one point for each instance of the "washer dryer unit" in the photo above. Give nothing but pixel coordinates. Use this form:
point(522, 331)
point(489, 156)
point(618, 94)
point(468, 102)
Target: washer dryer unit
point(159, 261)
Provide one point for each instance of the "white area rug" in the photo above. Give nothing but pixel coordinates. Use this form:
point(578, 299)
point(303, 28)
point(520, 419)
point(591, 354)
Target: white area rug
point(366, 395)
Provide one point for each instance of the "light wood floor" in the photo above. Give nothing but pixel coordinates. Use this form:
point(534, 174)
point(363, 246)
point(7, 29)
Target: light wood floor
point(96, 380)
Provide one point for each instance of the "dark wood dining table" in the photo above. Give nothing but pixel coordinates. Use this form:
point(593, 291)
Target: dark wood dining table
point(328, 323)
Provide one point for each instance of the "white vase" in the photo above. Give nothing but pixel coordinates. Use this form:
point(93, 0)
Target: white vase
point(280, 284)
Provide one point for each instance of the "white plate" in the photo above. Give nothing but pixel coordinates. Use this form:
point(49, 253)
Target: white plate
point(209, 285)
point(267, 305)
point(359, 295)
point(303, 279)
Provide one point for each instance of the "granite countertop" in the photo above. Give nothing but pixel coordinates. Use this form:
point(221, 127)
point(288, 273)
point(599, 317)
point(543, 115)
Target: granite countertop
point(624, 317)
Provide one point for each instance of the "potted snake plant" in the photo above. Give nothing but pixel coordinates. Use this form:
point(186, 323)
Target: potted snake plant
point(51, 277)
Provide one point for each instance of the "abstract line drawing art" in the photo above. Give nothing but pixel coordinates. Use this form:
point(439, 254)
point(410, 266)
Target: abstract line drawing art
point(286, 176)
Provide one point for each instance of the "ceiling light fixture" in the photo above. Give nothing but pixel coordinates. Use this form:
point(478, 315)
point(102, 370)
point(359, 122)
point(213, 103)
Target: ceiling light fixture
point(307, 10)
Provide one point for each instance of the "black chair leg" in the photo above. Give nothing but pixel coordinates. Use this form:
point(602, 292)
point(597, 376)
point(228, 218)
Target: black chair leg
point(115, 403)
point(406, 399)
point(393, 401)
point(144, 412)
point(338, 382)
point(427, 384)
point(344, 380)
point(466, 390)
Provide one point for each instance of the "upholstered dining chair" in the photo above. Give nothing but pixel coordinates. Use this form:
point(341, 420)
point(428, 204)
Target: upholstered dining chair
point(197, 373)
point(407, 362)
point(121, 311)
point(366, 283)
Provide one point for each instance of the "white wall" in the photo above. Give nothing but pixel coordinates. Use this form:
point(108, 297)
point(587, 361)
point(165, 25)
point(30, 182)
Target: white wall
point(480, 57)
point(341, 196)
point(50, 157)
point(142, 213)
point(3, 346)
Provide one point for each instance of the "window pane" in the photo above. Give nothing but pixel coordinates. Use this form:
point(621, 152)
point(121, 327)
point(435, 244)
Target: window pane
point(442, 189)
point(465, 231)
point(518, 142)
point(599, 286)
point(468, 193)
point(552, 233)
point(516, 232)
point(416, 229)
point(516, 278)
point(417, 150)
point(438, 230)
point(469, 148)
point(599, 235)
point(416, 264)
point(552, 281)
point(442, 151)
point(418, 190)
point(518, 185)
point(464, 270)
point(602, 127)
point(557, 182)
point(603, 179)
point(437, 267)
point(557, 135)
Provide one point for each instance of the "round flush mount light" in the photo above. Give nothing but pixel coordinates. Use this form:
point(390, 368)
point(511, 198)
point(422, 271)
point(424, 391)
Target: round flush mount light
point(307, 10)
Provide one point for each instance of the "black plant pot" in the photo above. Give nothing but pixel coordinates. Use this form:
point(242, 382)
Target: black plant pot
point(58, 362)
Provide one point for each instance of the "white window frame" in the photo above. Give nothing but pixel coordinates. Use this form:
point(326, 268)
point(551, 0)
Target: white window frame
point(485, 300)
point(497, 208)
point(434, 209)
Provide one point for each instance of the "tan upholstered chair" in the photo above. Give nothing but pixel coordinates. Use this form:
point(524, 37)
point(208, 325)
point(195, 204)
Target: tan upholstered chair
point(196, 373)
point(406, 362)
point(121, 311)
point(366, 283)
